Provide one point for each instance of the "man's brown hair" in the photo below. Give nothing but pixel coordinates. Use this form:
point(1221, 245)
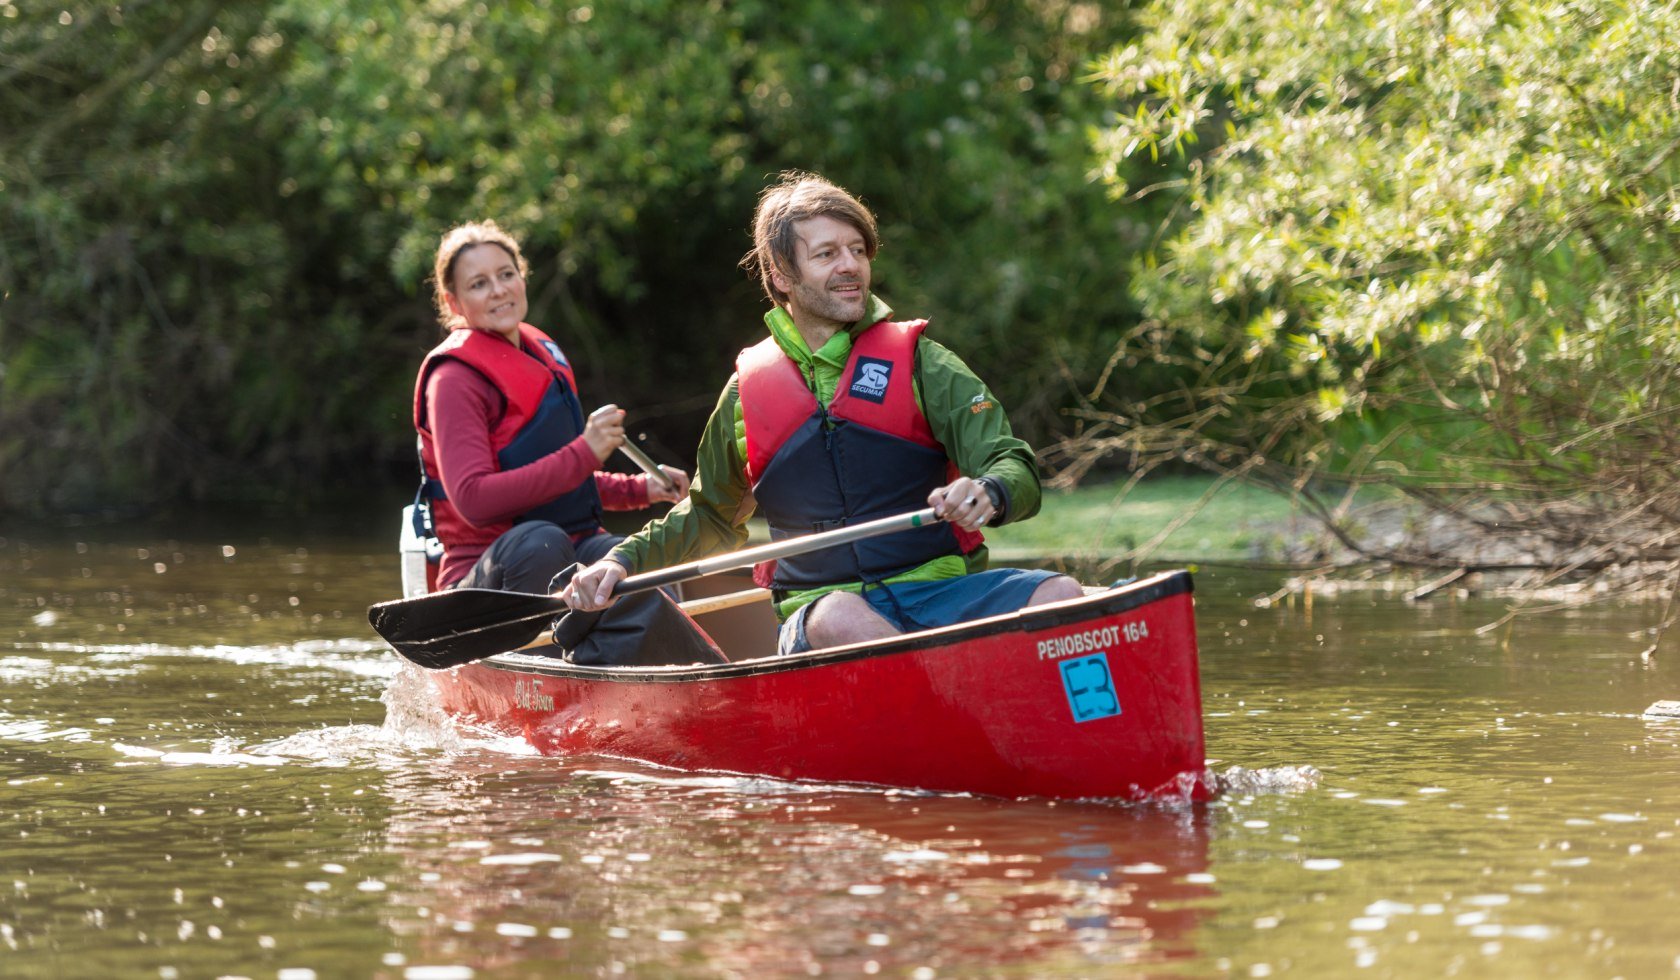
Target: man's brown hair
point(795, 198)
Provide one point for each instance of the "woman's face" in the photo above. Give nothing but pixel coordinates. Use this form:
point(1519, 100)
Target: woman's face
point(487, 290)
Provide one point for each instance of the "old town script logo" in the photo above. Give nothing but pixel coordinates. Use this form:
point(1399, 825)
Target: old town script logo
point(529, 695)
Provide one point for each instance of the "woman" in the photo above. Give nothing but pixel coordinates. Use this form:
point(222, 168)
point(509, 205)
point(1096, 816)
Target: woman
point(510, 463)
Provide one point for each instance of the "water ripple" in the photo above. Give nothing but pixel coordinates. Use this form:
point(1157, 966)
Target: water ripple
point(358, 657)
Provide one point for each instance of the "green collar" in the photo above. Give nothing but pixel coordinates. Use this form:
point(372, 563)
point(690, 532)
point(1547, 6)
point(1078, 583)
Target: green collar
point(838, 347)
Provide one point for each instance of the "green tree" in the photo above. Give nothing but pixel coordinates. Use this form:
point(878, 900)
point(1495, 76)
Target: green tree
point(216, 221)
point(1427, 246)
point(125, 214)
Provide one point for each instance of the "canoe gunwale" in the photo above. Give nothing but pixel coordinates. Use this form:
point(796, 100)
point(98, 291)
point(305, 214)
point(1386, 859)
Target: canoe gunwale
point(1112, 601)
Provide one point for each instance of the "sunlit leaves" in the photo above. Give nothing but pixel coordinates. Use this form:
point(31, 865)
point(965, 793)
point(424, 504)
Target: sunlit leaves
point(1431, 245)
point(1468, 205)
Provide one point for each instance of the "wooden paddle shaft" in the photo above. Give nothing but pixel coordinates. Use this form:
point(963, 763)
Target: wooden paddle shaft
point(636, 455)
point(646, 462)
point(694, 607)
point(803, 544)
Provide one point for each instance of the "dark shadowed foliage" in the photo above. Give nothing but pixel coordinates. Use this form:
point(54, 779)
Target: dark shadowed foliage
point(216, 218)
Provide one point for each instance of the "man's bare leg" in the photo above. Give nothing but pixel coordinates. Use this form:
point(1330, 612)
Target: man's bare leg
point(1055, 590)
point(839, 618)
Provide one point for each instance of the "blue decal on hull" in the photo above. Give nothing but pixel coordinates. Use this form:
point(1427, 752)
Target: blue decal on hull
point(1090, 688)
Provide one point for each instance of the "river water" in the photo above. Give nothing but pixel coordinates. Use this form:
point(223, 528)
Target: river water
point(211, 767)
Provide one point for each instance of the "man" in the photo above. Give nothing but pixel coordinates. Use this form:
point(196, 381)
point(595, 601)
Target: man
point(842, 416)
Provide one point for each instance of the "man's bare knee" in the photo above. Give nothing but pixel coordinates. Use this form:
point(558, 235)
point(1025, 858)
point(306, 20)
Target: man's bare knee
point(1055, 590)
point(839, 618)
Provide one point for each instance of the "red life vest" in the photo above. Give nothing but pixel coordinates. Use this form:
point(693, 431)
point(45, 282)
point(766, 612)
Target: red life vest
point(541, 413)
point(870, 454)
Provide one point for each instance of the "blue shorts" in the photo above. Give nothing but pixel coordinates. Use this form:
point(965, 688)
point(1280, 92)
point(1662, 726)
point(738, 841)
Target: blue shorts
point(912, 606)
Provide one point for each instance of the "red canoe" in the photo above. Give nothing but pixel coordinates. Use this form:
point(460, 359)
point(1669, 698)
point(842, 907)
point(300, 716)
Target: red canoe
point(1091, 698)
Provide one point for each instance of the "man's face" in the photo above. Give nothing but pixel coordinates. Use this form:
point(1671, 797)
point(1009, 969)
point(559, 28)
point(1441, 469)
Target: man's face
point(833, 264)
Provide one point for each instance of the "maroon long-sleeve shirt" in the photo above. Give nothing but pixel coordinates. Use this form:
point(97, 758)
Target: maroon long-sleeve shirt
point(462, 406)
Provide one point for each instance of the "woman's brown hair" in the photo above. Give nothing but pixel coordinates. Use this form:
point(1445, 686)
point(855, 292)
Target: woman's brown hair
point(456, 241)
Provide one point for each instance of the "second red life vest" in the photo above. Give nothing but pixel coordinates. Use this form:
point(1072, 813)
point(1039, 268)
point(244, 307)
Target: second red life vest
point(541, 413)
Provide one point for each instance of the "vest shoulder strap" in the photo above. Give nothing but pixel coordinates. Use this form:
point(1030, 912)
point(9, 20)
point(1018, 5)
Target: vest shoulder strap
point(774, 401)
point(520, 377)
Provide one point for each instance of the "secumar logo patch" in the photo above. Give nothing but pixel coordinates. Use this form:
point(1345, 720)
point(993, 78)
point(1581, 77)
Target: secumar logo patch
point(870, 379)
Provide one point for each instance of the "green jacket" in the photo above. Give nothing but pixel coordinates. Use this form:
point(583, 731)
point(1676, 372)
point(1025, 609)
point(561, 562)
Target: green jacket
point(965, 418)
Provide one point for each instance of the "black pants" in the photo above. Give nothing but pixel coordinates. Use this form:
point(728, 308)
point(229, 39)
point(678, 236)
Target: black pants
point(529, 555)
point(643, 629)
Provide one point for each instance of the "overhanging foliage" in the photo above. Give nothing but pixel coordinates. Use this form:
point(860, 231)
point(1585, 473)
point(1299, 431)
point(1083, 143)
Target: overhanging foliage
point(1428, 246)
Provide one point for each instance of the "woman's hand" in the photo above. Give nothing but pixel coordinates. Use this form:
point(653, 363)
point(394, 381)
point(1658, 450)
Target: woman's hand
point(604, 431)
point(679, 486)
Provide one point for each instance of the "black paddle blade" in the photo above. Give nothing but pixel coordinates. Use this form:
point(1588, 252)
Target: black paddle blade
point(458, 626)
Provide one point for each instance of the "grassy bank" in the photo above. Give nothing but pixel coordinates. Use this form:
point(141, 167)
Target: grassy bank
point(1234, 523)
point(1237, 523)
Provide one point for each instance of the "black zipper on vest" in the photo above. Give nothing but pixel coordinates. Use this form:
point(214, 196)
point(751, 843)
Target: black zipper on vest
point(829, 425)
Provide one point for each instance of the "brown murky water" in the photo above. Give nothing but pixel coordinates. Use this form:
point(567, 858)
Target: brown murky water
point(211, 768)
